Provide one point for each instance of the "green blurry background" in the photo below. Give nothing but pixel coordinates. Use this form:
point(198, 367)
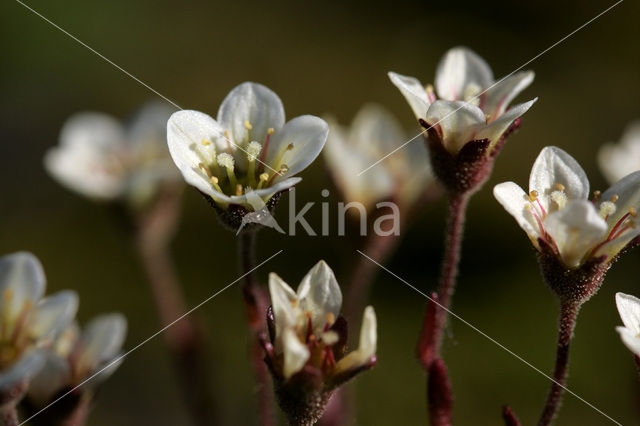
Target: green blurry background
point(325, 57)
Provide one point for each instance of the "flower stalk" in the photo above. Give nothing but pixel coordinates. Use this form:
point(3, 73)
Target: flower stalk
point(255, 305)
point(185, 338)
point(567, 323)
point(439, 396)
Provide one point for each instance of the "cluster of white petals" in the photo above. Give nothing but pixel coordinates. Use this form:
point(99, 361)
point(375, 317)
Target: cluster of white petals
point(249, 147)
point(77, 355)
point(29, 322)
point(467, 103)
point(618, 160)
point(373, 133)
point(629, 310)
point(557, 209)
point(303, 321)
point(101, 158)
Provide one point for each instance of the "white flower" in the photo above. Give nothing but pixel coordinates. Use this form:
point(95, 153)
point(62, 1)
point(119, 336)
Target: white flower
point(303, 325)
point(77, 356)
point(629, 310)
point(469, 105)
point(247, 148)
point(556, 209)
point(101, 158)
point(374, 133)
point(28, 322)
point(618, 160)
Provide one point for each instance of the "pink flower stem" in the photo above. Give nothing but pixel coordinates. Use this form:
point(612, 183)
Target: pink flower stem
point(256, 303)
point(567, 323)
point(185, 338)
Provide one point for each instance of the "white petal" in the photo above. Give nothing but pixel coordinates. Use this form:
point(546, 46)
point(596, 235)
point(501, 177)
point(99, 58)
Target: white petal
point(88, 159)
point(296, 353)
point(576, 229)
point(307, 134)
point(629, 310)
point(254, 103)
point(185, 132)
point(413, 91)
point(21, 280)
point(553, 166)
point(630, 340)
point(500, 95)
point(319, 293)
point(494, 131)
point(628, 191)
point(516, 202)
point(282, 300)
point(102, 341)
point(367, 346)
point(149, 124)
point(345, 160)
point(618, 160)
point(53, 314)
point(375, 129)
point(459, 68)
point(50, 380)
point(24, 368)
point(459, 122)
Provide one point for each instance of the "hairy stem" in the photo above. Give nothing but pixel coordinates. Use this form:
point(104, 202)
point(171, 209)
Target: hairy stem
point(567, 323)
point(453, 242)
point(184, 338)
point(255, 301)
point(9, 415)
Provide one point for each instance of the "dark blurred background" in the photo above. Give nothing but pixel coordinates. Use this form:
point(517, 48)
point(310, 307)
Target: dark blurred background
point(325, 57)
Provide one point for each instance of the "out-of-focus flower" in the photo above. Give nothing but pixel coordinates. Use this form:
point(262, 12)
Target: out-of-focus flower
point(247, 148)
point(618, 160)
point(470, 105)
point(556, 210)
point(308, 343)
point(77, 356)
point(629, 310)
point(28, 322)
point(101, 158)
point(374, 132)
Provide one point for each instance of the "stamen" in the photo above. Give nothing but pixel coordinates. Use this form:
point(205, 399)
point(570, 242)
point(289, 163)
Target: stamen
point(247, 125)
point(283, 169)
point(253, 150)
point(227, 161)
point(264, 150)
point(614, 198)
point(205, 169)
point(278, 162)
point(533, 195)
point(559, 187)
point(331, 318)
point(596, 195)
point(560, 199)
point(607, 208)
point(535, 216)
point(205, 142)
point(430, 93)
point(214, 182)
point(264, 177)
point(227, 138)
point(238, 189)
point(633, 212)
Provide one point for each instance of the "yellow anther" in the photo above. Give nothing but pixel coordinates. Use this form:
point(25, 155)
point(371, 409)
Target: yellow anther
point(289, 147)
point(270, 130)
point(294, 303)
point(226, 134)
point(284, 169)
point(597, 194)
point(205, 142)
point(331, 318)
point(633, 212)
point(533, 195)
point(614, 198)
point(559, 187)
point(238, 189)
point(213, 180)
point(429, 88)
point(247, 125)
point(264, 177)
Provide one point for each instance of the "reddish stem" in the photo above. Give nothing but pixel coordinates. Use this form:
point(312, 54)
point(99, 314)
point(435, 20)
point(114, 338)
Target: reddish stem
point(255, 301)
point(567, 323)
point(185, 338)
point(439, 398)
point(453, 242)
point(509, 417)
